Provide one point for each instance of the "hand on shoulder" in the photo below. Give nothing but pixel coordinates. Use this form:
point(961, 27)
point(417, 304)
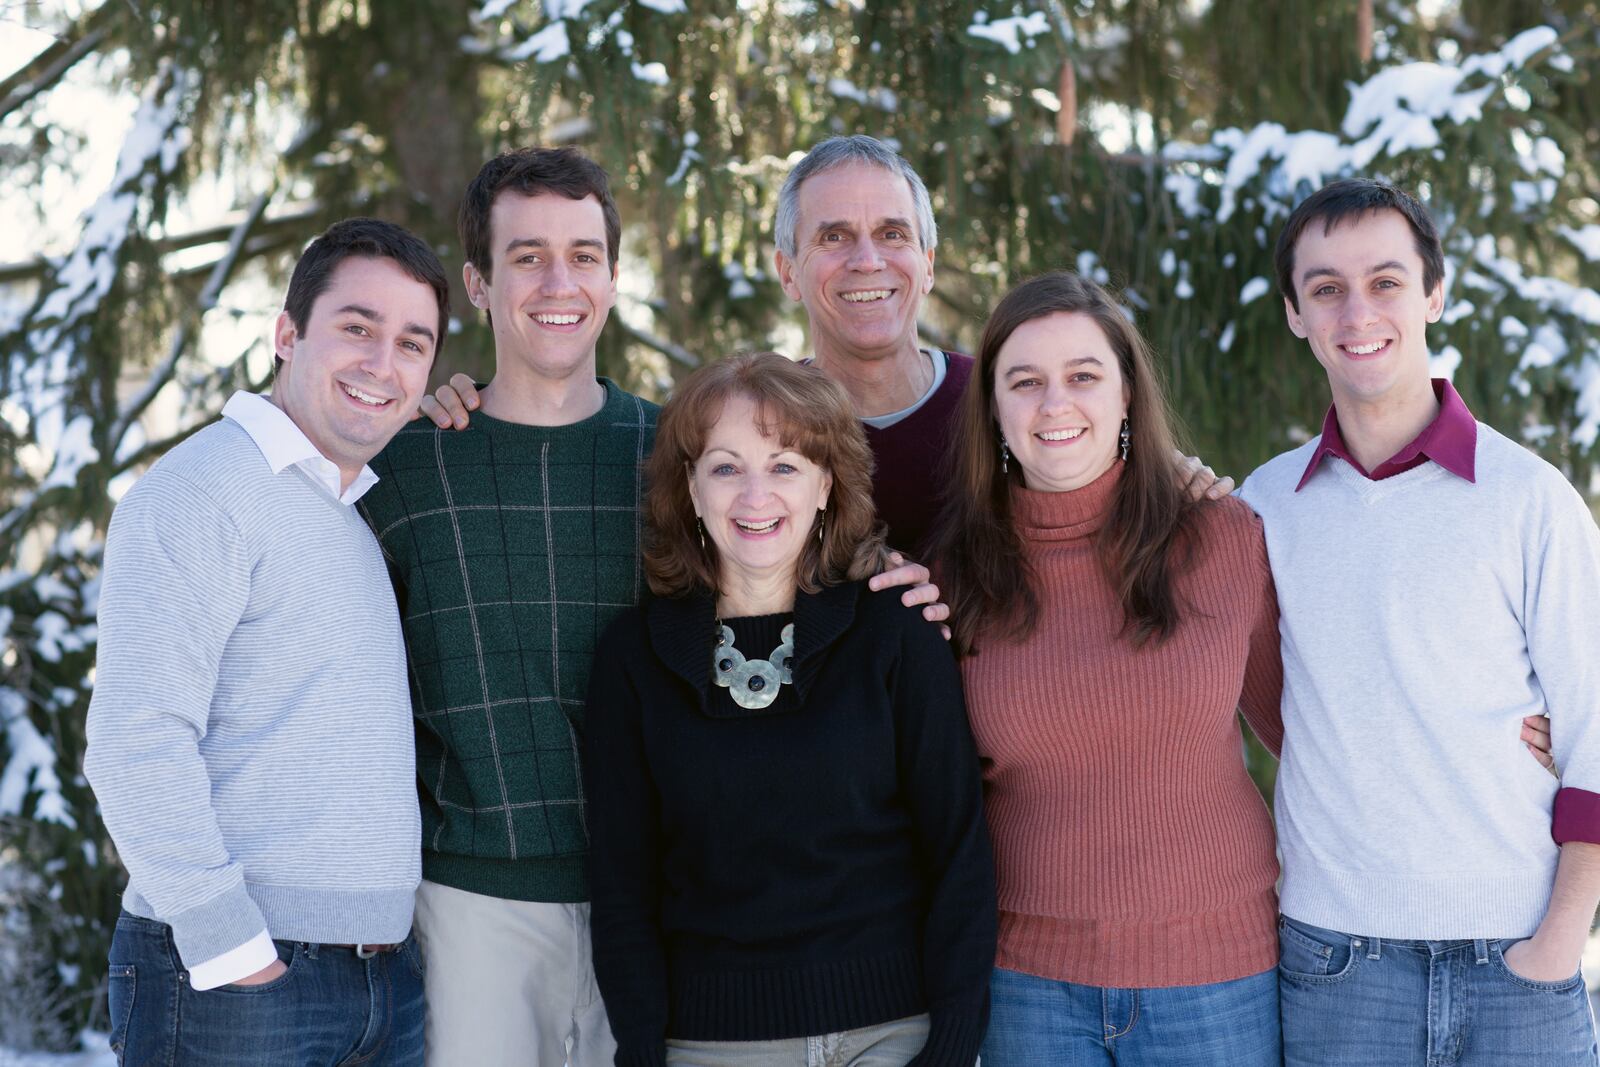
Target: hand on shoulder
point(450, 403)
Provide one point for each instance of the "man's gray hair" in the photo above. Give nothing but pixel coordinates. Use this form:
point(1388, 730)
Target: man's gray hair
point(838, 152)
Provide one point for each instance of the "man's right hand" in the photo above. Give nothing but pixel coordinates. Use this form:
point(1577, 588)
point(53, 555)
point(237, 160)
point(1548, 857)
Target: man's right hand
point(266, 974)
point(450, 403)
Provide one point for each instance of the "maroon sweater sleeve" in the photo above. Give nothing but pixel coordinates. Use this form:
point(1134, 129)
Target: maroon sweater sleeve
point(1577, 816)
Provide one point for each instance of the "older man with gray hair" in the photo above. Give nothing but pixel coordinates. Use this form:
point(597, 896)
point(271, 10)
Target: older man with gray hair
point(856, 239)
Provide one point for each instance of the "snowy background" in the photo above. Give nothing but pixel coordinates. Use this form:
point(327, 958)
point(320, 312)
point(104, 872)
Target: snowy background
point(159, 169)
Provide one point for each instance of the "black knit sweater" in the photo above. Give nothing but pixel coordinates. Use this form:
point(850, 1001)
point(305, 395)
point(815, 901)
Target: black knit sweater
point(816, 866)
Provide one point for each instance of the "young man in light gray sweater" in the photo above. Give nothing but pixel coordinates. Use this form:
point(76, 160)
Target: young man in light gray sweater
point(250, 737)
point(1436, 583)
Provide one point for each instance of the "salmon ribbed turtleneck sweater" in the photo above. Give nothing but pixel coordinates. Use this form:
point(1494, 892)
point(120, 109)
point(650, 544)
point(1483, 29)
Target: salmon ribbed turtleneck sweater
point(1131, 846)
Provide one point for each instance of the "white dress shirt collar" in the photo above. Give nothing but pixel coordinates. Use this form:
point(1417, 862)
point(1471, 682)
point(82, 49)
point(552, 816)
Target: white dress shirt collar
point(284, 444)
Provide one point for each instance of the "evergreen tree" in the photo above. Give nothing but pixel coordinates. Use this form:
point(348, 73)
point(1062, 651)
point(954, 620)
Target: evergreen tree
point(1153, 143)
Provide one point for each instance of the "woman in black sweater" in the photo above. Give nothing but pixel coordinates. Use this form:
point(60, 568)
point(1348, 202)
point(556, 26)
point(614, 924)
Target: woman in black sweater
point(784, 802)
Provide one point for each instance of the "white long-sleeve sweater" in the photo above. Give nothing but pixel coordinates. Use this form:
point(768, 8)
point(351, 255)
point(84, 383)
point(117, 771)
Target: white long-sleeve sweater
point(1422, 616)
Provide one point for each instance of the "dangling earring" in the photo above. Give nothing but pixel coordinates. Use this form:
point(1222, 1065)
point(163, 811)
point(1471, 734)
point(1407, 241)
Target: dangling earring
point(1005, 457)
point(1125, 435)
point(700, 527)
point(822, 516)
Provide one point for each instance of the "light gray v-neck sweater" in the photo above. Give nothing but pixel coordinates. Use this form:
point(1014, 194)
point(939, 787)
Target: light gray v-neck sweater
point(1422, 616)
point(250, 736)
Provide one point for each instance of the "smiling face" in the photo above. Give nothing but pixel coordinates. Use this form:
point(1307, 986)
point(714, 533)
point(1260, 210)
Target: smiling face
point(1060, 399)
point(550, 286)
point(757, 498)
point(1363, 308)
point(859, 266)
point(357, 373)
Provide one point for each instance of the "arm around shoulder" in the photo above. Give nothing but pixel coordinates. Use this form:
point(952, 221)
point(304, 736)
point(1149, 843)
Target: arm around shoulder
point(1261, 700)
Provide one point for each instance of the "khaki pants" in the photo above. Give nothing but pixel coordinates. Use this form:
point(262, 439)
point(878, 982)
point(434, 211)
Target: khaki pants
point(892, 1044)
point(509, 983)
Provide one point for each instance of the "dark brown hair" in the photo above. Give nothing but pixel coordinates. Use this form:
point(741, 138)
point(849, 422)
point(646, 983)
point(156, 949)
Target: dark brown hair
point(982, 570)
point(1354, 198)
point(373, 239)
point(808, 413)
point(530, 172)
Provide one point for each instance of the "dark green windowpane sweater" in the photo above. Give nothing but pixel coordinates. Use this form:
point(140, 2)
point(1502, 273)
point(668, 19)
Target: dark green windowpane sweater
point(511, 548)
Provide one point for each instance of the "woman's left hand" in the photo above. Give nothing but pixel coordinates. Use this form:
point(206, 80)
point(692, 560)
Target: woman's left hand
point(922, 590)
point(1536, 736)
point(1199, 480)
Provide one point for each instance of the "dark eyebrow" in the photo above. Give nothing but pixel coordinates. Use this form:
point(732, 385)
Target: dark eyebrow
point(369, 313)
point(1029, 368)
point(904, 224)
point(540, 242)
point(1329, 272)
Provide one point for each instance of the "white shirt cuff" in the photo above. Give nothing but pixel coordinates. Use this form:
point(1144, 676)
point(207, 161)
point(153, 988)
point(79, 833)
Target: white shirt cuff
point(234, 964)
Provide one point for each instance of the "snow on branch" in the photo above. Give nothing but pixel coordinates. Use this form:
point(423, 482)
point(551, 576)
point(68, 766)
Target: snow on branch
point(31, 765)
point(1398, 118)
point(564, 30)
point(43, 368)
point(1555, 303)
point(1397, 110)
point(1013, 33)
point(220, 273)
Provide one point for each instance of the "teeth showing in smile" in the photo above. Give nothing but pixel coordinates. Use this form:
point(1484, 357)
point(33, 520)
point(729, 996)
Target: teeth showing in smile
point(756, 527)
point(868, 296)
point(365, 398)
point(1060, 435)
point(557, 320)
point(1365, 350)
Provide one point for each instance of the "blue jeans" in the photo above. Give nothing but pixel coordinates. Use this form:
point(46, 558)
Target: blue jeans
point(1036, 1021)
point(330, 1008)
point(1350, 1000)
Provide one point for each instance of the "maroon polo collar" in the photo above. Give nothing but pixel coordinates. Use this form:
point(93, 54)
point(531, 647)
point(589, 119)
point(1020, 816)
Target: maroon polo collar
point(1450, 440)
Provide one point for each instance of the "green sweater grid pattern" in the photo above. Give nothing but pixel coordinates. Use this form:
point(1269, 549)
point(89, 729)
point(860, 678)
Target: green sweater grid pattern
point(511, 548)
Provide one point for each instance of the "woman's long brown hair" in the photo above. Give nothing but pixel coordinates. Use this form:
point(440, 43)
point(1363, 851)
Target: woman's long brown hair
point(983, 571)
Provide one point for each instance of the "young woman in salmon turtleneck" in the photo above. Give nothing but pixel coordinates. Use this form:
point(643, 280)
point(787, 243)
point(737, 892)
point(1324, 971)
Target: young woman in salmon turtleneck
point(1109, 627)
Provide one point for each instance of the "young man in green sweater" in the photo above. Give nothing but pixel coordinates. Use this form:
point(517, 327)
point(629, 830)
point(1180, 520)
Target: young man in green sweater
point(512, 544)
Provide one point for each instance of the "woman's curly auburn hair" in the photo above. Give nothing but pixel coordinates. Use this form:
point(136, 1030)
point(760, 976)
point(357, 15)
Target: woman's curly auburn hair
point(805, 411)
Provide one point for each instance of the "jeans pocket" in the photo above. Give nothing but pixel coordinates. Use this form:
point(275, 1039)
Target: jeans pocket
point(411, 949)
point(1314, 956)
point(1564, 985)
point(120, 992)
point(288, 955)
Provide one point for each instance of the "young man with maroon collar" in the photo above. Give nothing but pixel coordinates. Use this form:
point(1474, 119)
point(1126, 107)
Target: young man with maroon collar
point(1437, 582)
